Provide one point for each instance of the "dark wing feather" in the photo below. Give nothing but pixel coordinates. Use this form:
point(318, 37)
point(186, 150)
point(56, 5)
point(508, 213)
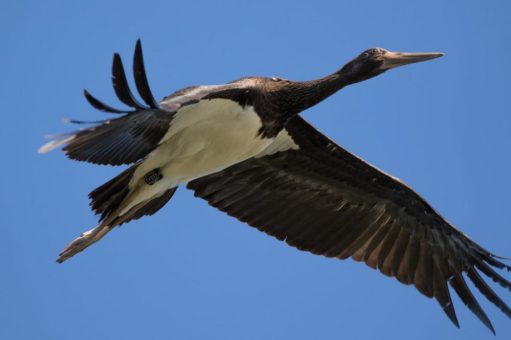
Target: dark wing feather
point(140, 77)
point(131, 137)
point(120, 141)
point(121, 86)
point(459, 285)
point(123, 140)
point(322, 199)
point(99, 105)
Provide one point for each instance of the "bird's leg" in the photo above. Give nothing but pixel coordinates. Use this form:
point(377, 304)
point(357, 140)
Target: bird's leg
point(86, 239)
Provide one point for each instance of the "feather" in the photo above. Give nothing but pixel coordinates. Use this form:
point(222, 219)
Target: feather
point(458, 283)
point(488, 292)
point(99, 105)
point(121, 86)
point(441, 291)
point(140, 77)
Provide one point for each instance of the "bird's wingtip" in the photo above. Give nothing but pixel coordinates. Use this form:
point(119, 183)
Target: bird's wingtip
point(55, 143)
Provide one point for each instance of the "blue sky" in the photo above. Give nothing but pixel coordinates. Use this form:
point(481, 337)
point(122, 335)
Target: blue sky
point(191, 272)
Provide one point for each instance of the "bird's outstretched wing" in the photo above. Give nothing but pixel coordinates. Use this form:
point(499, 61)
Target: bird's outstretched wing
point(122, 140)
point(139, 130)
point(322, 199)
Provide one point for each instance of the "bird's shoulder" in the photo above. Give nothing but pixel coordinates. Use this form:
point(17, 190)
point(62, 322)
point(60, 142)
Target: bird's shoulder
point(240, 89)
point(192, 94)
point(260, 93)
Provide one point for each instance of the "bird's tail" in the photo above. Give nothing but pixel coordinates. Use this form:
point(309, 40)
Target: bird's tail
point(108, 201)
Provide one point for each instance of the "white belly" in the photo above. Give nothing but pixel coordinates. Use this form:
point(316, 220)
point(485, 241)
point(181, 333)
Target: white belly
point(203, 138)
point(207, 137)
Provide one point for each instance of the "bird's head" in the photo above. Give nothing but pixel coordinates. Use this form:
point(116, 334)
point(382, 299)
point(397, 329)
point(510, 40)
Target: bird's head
point(375, 61)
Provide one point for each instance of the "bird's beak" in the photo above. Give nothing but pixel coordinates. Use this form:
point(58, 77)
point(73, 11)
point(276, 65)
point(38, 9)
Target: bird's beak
point(395, 59)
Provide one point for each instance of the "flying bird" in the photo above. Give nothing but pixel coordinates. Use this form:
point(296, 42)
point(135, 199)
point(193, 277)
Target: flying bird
point(244, 148)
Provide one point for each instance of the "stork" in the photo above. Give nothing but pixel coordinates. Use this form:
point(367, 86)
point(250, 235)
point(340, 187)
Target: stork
point(244, 148)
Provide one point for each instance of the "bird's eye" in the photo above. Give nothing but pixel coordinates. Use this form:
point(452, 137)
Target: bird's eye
point(368, 53)
point(278, 79)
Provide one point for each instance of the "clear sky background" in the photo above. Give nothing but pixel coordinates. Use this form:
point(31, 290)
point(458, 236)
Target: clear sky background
point(191, 272)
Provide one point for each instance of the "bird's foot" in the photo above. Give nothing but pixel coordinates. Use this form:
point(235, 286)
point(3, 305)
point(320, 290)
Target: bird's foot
point(83, 241)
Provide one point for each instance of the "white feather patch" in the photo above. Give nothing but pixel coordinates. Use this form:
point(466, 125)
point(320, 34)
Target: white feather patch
point(203, 138)
point(283, 142)
point(58, 141)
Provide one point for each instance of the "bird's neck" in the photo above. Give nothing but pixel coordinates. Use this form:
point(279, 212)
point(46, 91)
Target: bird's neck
point(283, 102)
point(310, 93)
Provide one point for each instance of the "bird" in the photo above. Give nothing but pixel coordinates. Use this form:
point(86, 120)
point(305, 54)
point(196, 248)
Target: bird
point(244, 148)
